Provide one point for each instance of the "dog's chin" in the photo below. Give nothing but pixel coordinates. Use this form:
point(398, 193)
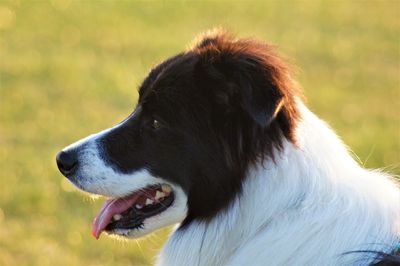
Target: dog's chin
point(176, 213)
point(145, 210)
point(149, 226)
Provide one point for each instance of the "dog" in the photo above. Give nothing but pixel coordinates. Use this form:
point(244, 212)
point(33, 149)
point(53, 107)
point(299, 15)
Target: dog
point(222, 144)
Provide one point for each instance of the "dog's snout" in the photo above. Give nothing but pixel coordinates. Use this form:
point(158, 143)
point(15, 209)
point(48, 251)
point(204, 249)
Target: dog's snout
point(67, 162)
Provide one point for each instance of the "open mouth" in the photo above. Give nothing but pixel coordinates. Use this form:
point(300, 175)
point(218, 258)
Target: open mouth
point(130, 212)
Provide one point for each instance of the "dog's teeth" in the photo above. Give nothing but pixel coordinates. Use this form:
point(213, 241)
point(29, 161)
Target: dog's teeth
point(138, 206)
point(159, 195)
point(117, 217)
point(167, 189)
point(149, 201)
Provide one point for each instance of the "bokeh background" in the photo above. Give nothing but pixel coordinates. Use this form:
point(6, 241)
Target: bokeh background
point(70, 68)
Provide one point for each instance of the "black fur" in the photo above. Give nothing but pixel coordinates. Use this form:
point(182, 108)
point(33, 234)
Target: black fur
point(379, 258)
point(222, 106)
point(385, 259)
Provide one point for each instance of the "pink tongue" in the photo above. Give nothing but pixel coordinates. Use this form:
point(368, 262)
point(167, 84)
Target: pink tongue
point(109, 209)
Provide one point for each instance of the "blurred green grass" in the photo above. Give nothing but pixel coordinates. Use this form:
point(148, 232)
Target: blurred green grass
point(71, 68)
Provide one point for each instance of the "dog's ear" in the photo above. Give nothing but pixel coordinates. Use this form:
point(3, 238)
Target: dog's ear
point(238, 75)
point(260, 98)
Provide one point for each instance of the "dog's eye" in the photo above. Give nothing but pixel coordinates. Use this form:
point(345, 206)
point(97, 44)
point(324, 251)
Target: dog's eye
point(156, 124)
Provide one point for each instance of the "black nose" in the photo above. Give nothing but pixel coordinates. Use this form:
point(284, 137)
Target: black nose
point(67, 162)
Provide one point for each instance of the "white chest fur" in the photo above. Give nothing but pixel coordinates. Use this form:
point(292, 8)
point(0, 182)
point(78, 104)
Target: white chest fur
point(314, 206)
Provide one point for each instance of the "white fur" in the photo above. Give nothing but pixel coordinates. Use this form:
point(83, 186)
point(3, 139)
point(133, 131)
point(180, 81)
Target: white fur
point(309, 208)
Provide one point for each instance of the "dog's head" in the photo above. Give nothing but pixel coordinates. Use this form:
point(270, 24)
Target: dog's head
point(203, 117)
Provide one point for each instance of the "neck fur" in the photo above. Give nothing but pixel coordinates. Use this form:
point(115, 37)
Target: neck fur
point(313, 203)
